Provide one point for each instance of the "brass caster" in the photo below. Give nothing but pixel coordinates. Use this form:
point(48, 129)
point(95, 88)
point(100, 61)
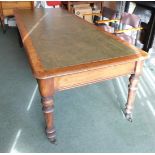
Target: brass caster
point(128, 117)
point(53, 141)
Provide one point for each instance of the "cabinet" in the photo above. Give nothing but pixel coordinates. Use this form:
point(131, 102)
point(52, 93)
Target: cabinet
point(7, 8)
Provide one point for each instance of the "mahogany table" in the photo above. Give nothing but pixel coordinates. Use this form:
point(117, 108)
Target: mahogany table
point(65, 52)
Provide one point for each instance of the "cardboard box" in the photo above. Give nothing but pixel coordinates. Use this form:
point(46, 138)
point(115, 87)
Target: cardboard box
point(81, 5)
point(82, 9)
point(12, 22)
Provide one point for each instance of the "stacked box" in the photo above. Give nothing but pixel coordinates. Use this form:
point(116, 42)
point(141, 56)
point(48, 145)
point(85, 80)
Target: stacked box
point(82, 9)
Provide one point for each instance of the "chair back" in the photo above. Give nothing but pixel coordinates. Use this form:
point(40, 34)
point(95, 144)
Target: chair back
point(127, 22)
point(106, 13)
point(109, 13)
point(130, 19)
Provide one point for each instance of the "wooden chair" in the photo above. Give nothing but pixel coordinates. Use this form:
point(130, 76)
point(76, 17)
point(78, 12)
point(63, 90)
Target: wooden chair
point(129, 28)
point(106, 19)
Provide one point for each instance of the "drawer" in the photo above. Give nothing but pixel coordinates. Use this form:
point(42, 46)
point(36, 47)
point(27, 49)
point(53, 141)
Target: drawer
point(93, 76)
point(7, 5)
point(8, 12)
point(11, 5)
point(23, 4)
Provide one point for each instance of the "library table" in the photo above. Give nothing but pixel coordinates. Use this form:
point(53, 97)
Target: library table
point(65, 51)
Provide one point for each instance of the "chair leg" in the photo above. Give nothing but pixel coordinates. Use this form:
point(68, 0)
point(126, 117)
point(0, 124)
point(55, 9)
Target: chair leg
point(2, 25)
point(19, 38)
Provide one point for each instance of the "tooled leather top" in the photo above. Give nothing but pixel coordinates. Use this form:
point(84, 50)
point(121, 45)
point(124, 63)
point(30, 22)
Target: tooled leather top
point(61, 39)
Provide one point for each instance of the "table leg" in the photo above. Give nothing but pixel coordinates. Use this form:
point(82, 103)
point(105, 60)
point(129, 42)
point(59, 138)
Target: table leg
point(46, 88)
point(133, 82)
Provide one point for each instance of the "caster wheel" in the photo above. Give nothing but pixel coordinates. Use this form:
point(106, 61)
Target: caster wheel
point(53, 141)
point(51, 134)
point(129, 117)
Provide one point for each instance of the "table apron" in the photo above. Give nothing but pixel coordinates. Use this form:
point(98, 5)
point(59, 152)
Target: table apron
point(93, 76)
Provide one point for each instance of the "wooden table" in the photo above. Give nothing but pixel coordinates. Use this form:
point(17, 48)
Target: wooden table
point(7, 7)
point(65, 52)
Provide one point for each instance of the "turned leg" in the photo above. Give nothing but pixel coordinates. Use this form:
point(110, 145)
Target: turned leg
point(133, 82)
point(46, 89)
